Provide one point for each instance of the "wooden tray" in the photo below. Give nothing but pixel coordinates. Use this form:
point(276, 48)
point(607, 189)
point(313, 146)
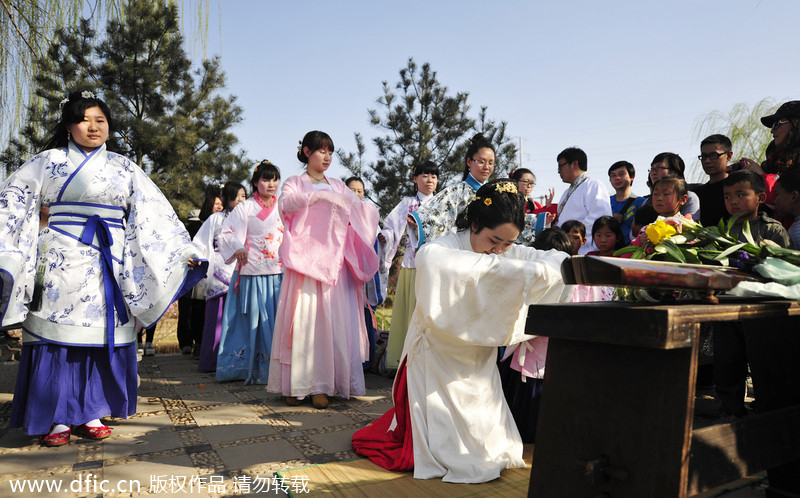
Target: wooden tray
point(602, 270)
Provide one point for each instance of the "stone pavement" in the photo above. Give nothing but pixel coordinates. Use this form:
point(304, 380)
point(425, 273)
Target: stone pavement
point(197, 437)
point(226, 435)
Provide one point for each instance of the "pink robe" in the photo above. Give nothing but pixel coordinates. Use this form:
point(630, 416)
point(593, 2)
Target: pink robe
point(320, 337)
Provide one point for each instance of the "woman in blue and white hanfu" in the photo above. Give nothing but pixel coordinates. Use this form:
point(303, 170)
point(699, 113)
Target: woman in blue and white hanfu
point(437, 217)
point(113, 251)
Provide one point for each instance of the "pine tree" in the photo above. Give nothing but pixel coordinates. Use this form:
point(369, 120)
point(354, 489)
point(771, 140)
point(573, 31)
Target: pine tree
point(421, 120)
point(174, 125)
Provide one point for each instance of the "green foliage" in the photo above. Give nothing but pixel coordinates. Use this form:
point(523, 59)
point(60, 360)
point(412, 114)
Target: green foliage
point(28, 28)
point(421, 120)
point(172, 123)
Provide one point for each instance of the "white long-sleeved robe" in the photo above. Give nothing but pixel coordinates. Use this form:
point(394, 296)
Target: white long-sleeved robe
point(149, 246)
point(468, 304)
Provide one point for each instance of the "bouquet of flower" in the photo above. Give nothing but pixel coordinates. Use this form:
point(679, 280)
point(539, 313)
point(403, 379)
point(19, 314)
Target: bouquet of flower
point(682, 240)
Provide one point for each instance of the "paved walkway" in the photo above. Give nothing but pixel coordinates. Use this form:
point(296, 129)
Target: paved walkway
point(227, 436)
point(197, 437)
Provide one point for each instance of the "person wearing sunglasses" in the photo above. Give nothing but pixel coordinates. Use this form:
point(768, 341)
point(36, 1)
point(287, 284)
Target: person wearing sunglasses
point(783, 152)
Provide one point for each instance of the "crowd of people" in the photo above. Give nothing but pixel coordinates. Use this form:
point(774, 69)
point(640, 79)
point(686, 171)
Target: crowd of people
point(280, 288)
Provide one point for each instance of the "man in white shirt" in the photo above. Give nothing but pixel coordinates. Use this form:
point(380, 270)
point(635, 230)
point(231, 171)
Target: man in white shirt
point(586, 199)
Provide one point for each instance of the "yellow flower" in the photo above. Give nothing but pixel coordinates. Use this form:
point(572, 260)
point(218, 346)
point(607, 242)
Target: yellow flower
point(509, 187)
point(487, 201)
point(659, 231)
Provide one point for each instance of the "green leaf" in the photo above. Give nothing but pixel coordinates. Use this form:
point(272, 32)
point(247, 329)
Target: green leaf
point(732, 249)
point(673, 250)
point(746, 232)
point(678, 239)
point(731, 222)
point(626, 250)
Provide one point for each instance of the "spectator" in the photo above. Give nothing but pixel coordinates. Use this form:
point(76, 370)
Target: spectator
point(586, 199)
point(624, 203)
point(715, 154)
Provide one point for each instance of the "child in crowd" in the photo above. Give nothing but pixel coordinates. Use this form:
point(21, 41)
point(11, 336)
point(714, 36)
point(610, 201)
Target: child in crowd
point(670, 164)
point(787, 202)
point(744, 192)
point(425, 177)
point(669, 195)
point(624, 202)
point(643, 217)
point(607, 236)
point(450, 419)
point(319, 342)
point(215, 286)
point(250, 238)
point(522, 368)
point(577, 233)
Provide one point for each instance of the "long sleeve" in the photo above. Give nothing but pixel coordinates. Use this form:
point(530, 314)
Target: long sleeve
point(483, 299)
point(20, 201)
point(394, 226)
point(437, 217)
point(234, 233)
point(157, 249)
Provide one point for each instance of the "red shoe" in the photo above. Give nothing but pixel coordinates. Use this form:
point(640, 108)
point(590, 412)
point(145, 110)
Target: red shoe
point(99, 432)
point(57, 439)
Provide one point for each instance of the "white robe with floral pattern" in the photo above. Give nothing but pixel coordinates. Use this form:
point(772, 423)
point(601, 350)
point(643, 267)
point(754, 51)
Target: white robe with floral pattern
point(149, 247)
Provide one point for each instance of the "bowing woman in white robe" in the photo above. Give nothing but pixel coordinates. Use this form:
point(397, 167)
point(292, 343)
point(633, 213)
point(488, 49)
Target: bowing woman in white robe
point(473, 291)
point(113, 250)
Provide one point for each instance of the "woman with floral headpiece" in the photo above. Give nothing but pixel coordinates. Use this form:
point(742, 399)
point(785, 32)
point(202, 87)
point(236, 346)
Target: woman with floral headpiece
point(113, 252)
point(450, 419)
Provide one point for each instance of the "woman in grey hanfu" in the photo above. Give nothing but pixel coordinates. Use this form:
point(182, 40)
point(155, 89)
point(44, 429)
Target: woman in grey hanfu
point(113, 250)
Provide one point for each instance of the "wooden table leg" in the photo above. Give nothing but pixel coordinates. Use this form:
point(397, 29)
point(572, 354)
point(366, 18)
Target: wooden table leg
point(614, 419)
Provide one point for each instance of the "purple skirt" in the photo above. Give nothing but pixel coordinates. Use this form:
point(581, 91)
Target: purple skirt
point(209, 345)
point(72, 385)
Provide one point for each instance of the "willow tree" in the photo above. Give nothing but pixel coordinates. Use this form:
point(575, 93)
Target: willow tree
point(742, 124)
point(28, 28)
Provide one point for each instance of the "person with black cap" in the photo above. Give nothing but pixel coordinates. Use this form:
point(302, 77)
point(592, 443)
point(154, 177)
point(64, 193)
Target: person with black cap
point(783, 152)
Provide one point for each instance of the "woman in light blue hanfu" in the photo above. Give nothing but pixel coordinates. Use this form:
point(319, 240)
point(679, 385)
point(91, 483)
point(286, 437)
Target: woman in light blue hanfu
point(113, 251)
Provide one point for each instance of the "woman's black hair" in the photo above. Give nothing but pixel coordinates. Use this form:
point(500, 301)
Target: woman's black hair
point(553, 238)
point(517, 174)
point(73, 111)
point(674, 163)
point(229, 192)
point(354, 179)
point(494, 204)
point(264, 169)
point(426, 167)
point(212, 194)
point(477, 143)
point(314, 140)
point(612, 224)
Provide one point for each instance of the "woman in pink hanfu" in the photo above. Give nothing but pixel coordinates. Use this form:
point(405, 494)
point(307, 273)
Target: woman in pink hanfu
point(320, 341)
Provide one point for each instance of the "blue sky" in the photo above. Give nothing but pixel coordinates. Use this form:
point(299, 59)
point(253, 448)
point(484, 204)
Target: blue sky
point(622, 80)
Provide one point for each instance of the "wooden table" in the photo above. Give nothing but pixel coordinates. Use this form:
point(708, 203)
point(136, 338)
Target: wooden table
point(617, 407)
